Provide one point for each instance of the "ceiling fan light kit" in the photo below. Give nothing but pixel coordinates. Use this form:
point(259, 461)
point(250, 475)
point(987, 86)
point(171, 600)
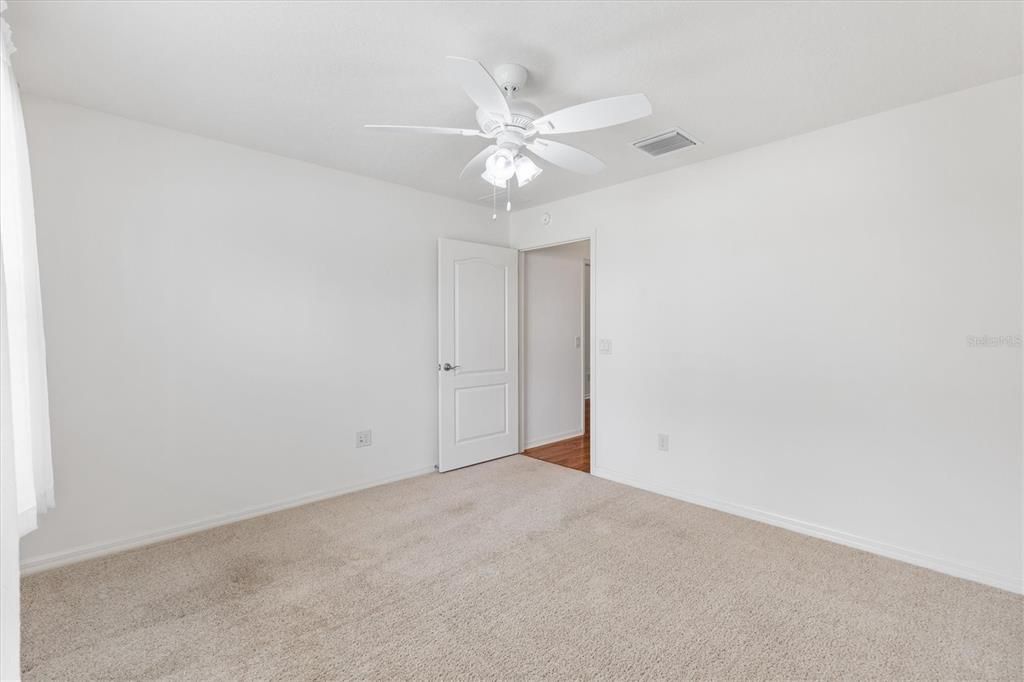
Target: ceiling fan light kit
point(517, 126)
point(526, 170)
point(500, 166)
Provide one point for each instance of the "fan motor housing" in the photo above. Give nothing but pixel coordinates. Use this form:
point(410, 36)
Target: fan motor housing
point(523, 114)
point(510, 138)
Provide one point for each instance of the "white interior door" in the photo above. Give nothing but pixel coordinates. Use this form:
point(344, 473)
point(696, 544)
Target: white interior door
point(478, 352)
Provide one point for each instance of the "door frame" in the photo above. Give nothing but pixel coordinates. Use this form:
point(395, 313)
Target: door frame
point(591, 340)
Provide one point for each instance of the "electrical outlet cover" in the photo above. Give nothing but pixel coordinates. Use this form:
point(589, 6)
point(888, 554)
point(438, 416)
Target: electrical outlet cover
point(364, 438)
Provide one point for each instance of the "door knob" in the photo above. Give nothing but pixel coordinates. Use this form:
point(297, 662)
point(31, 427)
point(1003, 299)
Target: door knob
point(449, 367)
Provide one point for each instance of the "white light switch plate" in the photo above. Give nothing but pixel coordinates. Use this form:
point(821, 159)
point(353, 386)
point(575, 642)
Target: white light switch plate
point(604, 346)
point(364, 439)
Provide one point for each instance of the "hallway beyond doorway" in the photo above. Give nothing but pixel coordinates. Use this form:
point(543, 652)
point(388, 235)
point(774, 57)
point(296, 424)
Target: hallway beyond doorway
point(573, 453)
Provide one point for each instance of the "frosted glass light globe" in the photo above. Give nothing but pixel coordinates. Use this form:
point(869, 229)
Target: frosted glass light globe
point(501, 165)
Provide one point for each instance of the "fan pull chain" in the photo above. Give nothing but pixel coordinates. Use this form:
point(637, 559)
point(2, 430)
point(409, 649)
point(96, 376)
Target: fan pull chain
point(494, 202)
point(508, 204)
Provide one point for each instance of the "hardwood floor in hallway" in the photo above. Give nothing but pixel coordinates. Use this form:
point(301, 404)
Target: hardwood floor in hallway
point(573, 453)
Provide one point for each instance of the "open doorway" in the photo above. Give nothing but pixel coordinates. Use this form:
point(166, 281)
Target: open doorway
point(555, 353)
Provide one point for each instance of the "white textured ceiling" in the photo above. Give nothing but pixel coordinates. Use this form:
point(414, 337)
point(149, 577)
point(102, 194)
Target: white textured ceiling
point(300, 79)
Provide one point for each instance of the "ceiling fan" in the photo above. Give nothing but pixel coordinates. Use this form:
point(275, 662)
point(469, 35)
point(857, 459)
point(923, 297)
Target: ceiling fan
point(517, 126)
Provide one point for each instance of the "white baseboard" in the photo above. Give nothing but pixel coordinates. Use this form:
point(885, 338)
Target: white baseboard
point(548, 440)
point(1004, 582)
point(71, 556)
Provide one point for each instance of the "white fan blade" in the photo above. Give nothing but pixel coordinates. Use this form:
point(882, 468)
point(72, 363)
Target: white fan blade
point(565, 156)
point(468, 132)
point(480, 86)
point(592, 115)
point(476, 164)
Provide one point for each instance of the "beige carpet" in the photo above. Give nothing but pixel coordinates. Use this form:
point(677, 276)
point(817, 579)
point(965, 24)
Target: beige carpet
point(512, 569)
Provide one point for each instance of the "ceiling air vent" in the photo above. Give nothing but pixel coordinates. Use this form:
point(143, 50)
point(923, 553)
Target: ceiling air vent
point(664, 143)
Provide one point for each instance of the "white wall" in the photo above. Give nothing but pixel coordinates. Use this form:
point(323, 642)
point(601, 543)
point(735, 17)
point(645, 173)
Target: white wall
point(220, 322)
point(795, 317)
point(552, 323)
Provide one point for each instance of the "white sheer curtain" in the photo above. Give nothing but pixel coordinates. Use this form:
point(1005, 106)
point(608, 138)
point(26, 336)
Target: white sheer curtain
point(26, 473)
